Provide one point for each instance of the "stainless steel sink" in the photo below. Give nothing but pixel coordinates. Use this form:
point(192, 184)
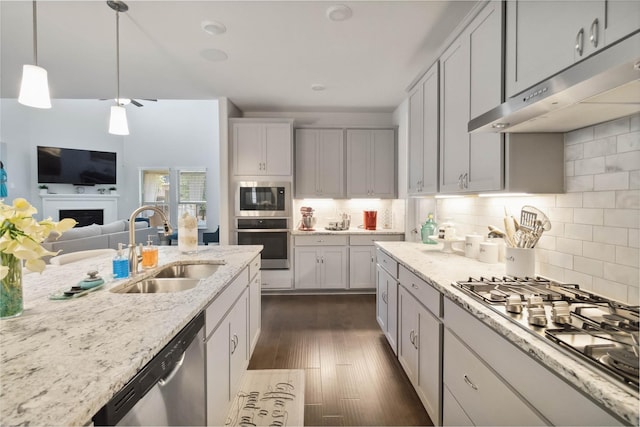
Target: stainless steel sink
point(155, 285)
point(191, 271)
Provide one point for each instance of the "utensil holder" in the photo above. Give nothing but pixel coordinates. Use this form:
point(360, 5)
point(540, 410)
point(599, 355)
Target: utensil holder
point(520, 262)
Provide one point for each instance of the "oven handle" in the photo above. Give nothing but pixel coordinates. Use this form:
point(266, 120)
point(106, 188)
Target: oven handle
point(262, 230)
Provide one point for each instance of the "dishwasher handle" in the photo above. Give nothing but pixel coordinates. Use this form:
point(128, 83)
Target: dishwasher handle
point(167, 379)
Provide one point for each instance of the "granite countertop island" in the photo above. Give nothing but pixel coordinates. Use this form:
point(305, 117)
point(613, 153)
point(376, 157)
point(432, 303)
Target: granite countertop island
point(441, 269)
point(61, 361)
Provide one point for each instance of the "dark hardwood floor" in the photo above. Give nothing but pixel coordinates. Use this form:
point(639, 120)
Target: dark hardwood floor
point(352, 376)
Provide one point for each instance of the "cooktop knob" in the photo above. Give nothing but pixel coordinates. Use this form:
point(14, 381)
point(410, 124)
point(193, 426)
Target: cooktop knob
point(537, 316)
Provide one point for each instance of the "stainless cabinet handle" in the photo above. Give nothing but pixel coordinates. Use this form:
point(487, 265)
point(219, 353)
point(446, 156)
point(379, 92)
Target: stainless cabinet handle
point(469, 383)
point(412, 336)
point(580, 41)
point(234, 341)
point(384, 297)
point(465, 182)
point(322, 260)
point(415, 341)
point(593, 36)
point(414, 286)
point(372, 259)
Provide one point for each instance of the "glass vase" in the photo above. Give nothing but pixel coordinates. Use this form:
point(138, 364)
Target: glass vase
point(11, 290)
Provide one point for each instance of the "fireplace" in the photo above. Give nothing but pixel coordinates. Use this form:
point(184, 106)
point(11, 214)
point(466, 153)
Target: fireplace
point(54, 204)
point(83, 216)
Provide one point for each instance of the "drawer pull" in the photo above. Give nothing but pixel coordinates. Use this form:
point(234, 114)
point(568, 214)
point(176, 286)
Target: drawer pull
point(469, 383)
point(384, 297)
point(414, 286)
point(412, 337)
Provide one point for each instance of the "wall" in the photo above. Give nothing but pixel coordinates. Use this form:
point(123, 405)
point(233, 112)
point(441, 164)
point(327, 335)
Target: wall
point(595, 225)
point(163, 134)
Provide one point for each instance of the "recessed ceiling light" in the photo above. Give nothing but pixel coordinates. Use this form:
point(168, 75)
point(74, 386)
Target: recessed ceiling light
point(213, 27)
point(214, 55)
point(339, 12)
point(318, 87)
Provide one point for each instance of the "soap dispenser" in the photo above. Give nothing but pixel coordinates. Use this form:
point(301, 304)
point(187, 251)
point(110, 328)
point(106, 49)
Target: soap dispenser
point(429, 228)
point(149, 255)
point(120, 265)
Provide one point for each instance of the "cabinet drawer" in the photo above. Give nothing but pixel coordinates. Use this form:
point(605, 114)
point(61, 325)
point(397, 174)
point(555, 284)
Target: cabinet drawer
point(420, 289)
point(388, 263)
point(215, 312)
point(321, 240)
point(254, 267)
point(369, 239)
point(479, 391)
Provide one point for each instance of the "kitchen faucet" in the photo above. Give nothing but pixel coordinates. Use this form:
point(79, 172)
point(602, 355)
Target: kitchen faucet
point(134, 257)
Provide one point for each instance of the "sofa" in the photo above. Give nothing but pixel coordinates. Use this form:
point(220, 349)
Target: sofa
point(96, 236)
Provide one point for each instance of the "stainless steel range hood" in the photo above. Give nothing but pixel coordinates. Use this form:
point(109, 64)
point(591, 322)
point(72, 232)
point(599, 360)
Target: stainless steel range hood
point(603, 87)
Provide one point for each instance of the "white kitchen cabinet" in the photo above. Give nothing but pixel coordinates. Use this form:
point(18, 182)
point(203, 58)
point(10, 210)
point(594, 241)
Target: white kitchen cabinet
point(371, 170)
point(261, 148)
point(571, 32)
point(319, 165)
point(470, 84)
point(321, 267)
point(387, 306)
point(255, 304)
point(423, 134)
point(362, 267)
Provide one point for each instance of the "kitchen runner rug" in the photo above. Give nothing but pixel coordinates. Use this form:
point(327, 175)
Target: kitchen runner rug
point(269, 397)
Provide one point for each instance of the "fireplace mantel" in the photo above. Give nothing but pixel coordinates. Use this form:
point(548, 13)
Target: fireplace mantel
point(53, 203)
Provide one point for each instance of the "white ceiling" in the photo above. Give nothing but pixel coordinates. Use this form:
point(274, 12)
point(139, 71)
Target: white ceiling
point(276, 50)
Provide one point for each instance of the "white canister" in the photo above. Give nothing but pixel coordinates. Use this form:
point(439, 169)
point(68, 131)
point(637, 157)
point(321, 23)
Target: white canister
point(488, 252)
point(472, 245)
point(520, 262)
point(187, 233)
point(501, 246)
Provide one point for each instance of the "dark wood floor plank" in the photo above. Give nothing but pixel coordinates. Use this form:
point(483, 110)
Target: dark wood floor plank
point(353, 378)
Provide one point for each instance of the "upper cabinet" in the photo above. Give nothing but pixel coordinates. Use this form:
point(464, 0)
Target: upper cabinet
point(471, 83)
point(571, 32)
point(371, 161)
point(319, 163)
point(262, 148)
point(423, 135)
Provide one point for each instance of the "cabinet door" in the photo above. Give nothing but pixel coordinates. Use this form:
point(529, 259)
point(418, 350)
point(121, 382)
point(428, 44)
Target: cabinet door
point(306, 165)
point(331, 163)
point(334, 266)
point(307, 262)
point(277, 149)
point(238, 343)
point(362, 267)
point(454, 102)
point(407, 330)
point(392, 313)
point(416, 123)
point(486, 150)
point(381, 298)
point(358, 163)
point(431, 126)
point(623, 17)
point(218, 362)
point(452, 412)
point(255, 312)
point(247, 148)
point(382, 170)
point(429, 362)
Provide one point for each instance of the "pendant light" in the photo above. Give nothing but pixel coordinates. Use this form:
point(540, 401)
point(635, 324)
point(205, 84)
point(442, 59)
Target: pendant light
point(118, 121)
point(34, 88)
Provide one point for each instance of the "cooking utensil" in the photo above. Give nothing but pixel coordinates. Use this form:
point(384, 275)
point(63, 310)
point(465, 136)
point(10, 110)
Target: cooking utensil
point(509, 230)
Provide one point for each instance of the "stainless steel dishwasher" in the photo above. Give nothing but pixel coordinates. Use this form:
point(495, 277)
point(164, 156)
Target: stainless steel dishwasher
point(169, 390)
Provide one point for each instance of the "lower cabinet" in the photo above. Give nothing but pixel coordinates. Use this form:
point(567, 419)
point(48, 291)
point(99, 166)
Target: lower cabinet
point(362, 267)
point(387, 306)
point(322, 267)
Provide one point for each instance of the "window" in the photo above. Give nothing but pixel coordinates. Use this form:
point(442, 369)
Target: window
point(191, 195)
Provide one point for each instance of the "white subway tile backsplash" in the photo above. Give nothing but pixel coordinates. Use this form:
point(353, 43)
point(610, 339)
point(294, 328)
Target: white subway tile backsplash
point(599, 199)
point(613, 290)
point(610, 181)
point(584, 280)
point(591, 216)
point(569, 200)
point(628, 199)
point(578, 136)
point(580, 183)
point(628, 142)
point(547, 242)
point(600, 147)
point(621, 162)
point(611, 235)
point(574, 152)
point(634, 238)
point(627, 256)
point(590, 166)
point(634, 180)
point(599, 251)
point(578, 231)
point(560, 259)
point(621, 273)
point(588, 266)
point(570, 168)
point(550, 271)
point(633, 297)
point(622, 218)
point(634, 123)
point(615, 127)
point(560, 215)
point(568, 246)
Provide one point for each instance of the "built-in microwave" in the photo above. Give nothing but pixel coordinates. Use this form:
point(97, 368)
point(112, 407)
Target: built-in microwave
point(257, 198)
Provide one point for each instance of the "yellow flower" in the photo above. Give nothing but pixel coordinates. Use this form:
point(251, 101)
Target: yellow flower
point(21, 235)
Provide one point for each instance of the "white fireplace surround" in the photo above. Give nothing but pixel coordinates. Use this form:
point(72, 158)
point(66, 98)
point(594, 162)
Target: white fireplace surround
point(53, 203)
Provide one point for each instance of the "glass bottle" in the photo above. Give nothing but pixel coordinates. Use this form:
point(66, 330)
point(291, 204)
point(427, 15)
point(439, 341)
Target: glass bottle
point(120, 264)
point(149, 255)
point(429, 228)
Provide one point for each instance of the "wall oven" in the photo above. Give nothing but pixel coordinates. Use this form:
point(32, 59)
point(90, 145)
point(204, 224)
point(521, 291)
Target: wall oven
point(272, 233)
point(263, 199)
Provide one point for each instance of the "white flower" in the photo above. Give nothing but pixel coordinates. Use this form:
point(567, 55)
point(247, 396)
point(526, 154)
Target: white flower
point(21, 235)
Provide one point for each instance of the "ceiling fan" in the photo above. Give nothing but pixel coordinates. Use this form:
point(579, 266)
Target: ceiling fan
point(126, 101)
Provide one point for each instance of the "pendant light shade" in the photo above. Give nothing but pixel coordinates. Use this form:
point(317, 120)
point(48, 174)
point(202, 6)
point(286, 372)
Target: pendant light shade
point(118, 124)
point(34, 88)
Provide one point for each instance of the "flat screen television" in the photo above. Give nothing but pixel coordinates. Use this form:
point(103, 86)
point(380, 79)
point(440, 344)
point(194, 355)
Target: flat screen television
point(72, 166)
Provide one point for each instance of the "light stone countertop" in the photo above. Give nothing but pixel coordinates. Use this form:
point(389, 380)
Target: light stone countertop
point(441, 269)
point(352, 230)
point(61, 361)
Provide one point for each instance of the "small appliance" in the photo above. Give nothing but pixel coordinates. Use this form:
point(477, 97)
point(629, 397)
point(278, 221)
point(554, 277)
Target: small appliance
point(308, 220)
point(370, 220)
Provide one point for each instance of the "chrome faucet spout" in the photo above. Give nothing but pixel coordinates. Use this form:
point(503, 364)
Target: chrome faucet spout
point(134, 257)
